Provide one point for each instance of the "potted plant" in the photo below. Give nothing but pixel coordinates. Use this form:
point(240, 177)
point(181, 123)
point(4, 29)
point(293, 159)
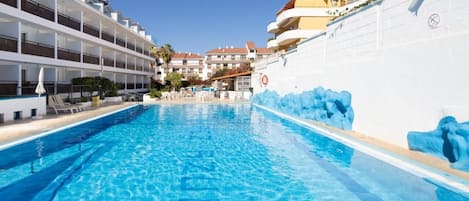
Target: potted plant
point(112, 96)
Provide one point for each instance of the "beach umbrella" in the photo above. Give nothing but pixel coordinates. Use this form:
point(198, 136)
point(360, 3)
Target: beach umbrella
point(40, 83)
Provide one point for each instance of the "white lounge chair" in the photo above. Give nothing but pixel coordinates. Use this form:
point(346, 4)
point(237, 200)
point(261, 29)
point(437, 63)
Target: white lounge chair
point(58, 99)
point(56, 107)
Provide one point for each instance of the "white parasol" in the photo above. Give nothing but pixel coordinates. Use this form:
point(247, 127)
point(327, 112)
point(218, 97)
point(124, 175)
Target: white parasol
point(40, 83)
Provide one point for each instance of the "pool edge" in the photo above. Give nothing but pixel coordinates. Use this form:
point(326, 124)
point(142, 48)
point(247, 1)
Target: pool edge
point(442, 179)
point(42, 134)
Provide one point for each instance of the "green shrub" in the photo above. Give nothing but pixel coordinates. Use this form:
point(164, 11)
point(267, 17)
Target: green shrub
point(155, 93)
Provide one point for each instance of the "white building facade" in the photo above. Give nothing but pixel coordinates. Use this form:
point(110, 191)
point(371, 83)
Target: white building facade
point(404, 65)
point(70, 39)
point(187, 64)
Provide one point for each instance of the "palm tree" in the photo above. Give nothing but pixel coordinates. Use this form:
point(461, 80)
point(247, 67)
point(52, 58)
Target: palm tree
point(165, 53)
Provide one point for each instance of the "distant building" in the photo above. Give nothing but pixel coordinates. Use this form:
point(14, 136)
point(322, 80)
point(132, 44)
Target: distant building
point(187, 64)
point(232, 57)
point(301, 19)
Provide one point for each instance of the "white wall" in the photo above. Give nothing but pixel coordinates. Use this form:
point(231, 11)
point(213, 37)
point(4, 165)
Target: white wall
point(402, 73)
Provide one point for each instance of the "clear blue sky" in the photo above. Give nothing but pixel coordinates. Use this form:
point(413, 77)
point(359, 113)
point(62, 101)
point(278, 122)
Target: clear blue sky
point(201, 25)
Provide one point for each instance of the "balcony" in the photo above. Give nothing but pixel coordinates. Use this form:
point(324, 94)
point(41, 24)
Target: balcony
point(130, 46)
point(91, 59)
point(139, 50)
point(38, 9)
point(139, 68)
point(139, 85)
point(120, 42)
point(131, 66)
point(8, 43)
point(38, 49)
point(12, 3)
point(146, 52)
point(68, 21)
point(107, 37)
point(289, 15)
point(91, 30)
point(69, 55)
point(120, 64)
point(288, 37)
point(272, 27)
point(130, 86)
point(272, 44)
point(108, 62)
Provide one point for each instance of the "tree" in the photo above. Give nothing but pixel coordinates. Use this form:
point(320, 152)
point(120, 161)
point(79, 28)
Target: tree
point(175, 79)
point(165, 53)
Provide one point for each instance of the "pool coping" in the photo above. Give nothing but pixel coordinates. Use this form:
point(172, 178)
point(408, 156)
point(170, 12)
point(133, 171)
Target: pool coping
point(416, 168)
point(48, 132)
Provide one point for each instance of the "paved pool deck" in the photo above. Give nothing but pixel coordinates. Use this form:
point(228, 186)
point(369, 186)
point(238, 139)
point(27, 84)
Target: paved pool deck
point(17, 130)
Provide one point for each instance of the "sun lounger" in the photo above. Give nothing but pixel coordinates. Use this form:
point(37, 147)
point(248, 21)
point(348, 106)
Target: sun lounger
point(58, 99)
point(56, 107)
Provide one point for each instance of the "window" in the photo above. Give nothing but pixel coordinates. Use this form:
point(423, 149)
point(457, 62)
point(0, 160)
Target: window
point(184, 62)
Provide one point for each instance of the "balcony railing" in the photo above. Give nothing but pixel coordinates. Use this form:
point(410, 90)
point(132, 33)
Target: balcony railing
point(130, 86)
point(139, 68)
point(107, 37)
point(38, 49)
point(120, 42)
point(130, 46)
point(68, 21)
point(120, 85)
point(139, 50)
point(91, 59)
point(91, 30)
point(38, 9)
point(108, 62)
point(12, 3)
point(146, 52)
point(139, 86)
point(120, 64)
point(69, 55)
point(131, 66)
point(8, 43)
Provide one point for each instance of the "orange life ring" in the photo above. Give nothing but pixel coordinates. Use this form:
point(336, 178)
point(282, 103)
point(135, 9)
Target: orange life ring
point(265, 80)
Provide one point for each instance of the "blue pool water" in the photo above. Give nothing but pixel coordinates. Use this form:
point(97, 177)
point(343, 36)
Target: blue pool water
point(201, 152)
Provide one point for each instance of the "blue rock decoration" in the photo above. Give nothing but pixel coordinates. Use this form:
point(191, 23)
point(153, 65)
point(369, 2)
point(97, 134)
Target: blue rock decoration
point(448, 141)
point(327, 106)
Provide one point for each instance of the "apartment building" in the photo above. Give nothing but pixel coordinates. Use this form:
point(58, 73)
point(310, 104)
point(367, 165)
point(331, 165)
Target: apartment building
point(187, 64)
point(298, 20)
point(232, 57)
point(70, 39)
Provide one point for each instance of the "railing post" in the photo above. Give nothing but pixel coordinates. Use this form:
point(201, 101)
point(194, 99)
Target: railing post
point(19, 90)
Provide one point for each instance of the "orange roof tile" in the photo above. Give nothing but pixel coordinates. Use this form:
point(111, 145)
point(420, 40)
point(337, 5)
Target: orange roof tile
point(250, 45)
point(228, 51)
point(183, 55)
point(264, 51)
point(289, 5)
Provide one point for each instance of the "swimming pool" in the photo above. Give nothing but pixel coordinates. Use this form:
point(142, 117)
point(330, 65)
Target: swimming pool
point(201, 152)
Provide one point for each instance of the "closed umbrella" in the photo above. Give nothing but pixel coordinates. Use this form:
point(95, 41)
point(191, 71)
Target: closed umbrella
point(40, 83)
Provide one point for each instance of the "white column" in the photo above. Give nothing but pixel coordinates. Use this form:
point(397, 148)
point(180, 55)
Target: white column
point(135, 82)
point(101, 61)
point(55, 45)
point(125, 83)
point(81, 51)
point(115, 58)
point(81, 21)
point(19, 4)
point(114, 77)
point(19, 91)
point(56, 77)
point(19, 37)
point(55, 12)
